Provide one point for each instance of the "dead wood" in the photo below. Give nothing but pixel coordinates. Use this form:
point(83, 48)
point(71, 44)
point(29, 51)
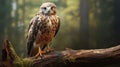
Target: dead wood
point(65, 58)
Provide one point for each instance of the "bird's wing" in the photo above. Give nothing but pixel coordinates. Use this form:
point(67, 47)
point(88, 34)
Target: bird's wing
point(32, 33)
point(57, 26)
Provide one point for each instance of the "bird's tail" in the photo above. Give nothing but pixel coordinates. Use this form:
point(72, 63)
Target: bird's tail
point(33, 35)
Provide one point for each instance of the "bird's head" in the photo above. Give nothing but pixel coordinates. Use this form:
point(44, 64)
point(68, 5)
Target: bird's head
point(48, 8)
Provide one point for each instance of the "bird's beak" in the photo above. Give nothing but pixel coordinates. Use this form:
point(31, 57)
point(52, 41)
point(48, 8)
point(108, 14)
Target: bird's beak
point(48, 9)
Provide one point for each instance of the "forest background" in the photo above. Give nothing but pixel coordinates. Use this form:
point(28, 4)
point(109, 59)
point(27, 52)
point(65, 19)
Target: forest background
point(85, 24)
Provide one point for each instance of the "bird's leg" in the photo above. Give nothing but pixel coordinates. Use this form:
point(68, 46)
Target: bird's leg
point(39, 52)
point(48, 49)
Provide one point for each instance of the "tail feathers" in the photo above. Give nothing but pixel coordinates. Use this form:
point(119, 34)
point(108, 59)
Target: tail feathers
point(29, 47)
point(32, 36)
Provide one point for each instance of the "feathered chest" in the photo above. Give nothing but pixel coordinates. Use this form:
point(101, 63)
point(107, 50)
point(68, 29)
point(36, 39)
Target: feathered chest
point(48, 25)
point(47, 28)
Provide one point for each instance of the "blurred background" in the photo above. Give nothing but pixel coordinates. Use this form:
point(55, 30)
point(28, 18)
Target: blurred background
point(85, 24)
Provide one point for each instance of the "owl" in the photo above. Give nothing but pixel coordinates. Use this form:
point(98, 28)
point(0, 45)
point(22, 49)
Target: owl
point(42, 29)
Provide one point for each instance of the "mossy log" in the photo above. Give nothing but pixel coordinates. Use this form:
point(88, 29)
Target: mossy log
point(66, 58)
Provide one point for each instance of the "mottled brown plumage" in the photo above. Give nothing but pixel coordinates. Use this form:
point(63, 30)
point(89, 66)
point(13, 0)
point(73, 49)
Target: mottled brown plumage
point(42, 29)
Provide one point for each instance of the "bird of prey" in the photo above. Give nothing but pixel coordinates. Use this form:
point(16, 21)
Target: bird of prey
point(42, 29)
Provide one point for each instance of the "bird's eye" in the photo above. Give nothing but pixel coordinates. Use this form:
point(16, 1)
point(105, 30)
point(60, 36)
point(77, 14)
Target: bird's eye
point(52, 7)
point(44, 8)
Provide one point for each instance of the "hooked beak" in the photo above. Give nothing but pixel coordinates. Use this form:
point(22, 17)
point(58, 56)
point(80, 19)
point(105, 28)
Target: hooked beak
point(47, 10)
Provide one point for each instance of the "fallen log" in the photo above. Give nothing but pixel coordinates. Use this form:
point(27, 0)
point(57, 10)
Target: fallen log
point(65, 58)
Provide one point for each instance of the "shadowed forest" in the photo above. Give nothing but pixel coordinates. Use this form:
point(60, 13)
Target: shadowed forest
point(85, 24)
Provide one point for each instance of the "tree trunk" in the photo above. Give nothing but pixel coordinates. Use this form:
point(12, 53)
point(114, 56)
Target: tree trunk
point(117, 20)
point(84, 25)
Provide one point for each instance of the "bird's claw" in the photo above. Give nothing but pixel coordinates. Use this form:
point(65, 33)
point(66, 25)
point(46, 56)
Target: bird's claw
point(49, 50)
point(39, 54)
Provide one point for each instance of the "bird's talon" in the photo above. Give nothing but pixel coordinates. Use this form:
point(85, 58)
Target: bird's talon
point(39, 54)
point(49, 50)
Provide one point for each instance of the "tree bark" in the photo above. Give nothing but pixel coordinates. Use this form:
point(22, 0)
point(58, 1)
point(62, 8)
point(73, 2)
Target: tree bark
point(66, 58)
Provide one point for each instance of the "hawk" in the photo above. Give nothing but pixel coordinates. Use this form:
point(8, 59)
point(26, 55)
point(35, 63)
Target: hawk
point(42, 29)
